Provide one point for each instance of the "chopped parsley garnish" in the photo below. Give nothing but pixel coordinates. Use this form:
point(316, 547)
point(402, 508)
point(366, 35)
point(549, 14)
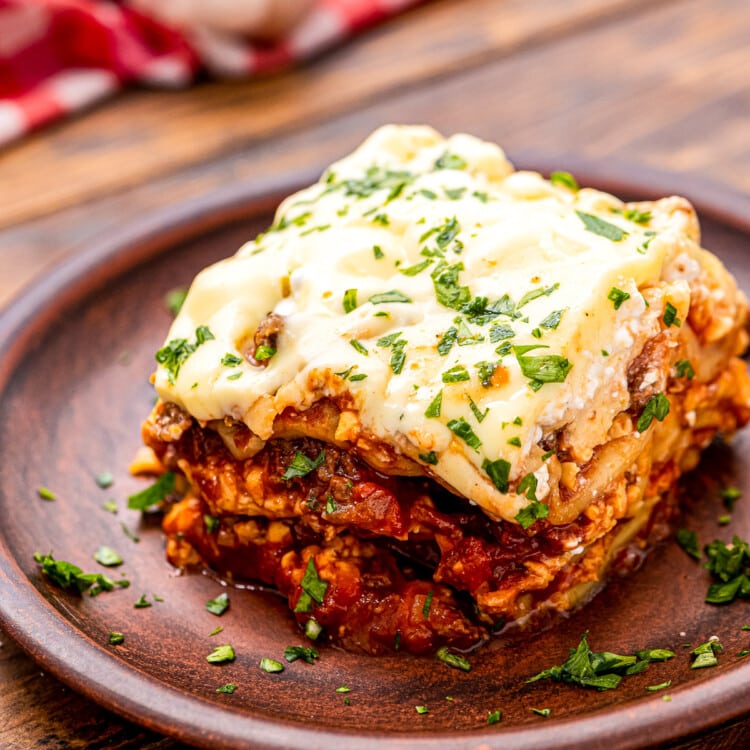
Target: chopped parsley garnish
point(660, 686)
point(600, 670)
point(264, 352)
point(142, 602)
point(515, 441)
point(456, 374)
point(358, 376)
point(306, 653)
point(684, 369)
point(541, 369)
point(398, 355)
point(174, 299)
point(479, 415)
point(72, 578)
point(730, 565)
point(104, 480)
point(705, 654)
point(433, 410)
point(528, 485)
point(617, 296)
point(447, 340)
point(350, 300)
point(46, 494)
point(498, 471)
point(216, 630)
point(636, 216)
point(688, 540)
point(724, 520)
point(493, 717)
point(450, 161)
point(602, 228)
point(392, 296)
point(447, 290)
point(221, 654)
point(378, 252)
point(375, 178)
point(453, 660)
point(381, 219)
point(429, 194)
point(500, 332)
point(331, 506)
point(730, 496)
point(319, 228)
point(454, 194)
point(421, 709)
point(535, 294)
point(542, 711)
point(657, 407)
point(533, 512)
point(462, 429)
point(359, 347)
point(670, 316)
point(480, 312)
point(231, 360)
point(313, 588)
point(464, 336)
point(313, 629)
point(429, 458)
point(553, 319)
point(417, 268)
point(219, 605)
point(271, 665)
point(176, 352)
point(154, 494)
point(115, 638)
point(108, 557)
point(343, 689)
point(427, 604)
point(129, 533)
point(486, 372)
point(110, 506)
point(390, 339)
point(301, 465)
point(285, 222)
point(229, 688)
point(547, 455)
point(564, 179)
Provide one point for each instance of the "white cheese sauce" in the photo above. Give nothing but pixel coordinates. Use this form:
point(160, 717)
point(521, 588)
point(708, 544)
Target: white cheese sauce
point(373, 232)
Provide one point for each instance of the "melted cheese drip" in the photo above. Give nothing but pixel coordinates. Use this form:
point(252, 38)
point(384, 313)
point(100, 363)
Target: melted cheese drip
point(517, 234)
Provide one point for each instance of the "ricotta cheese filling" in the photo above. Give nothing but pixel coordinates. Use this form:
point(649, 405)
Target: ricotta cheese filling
point(462, 309)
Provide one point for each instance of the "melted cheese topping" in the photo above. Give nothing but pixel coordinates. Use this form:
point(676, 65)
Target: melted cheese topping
point(422, 269)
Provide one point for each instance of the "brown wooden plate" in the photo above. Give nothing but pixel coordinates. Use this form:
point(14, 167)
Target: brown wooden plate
point(77, 350)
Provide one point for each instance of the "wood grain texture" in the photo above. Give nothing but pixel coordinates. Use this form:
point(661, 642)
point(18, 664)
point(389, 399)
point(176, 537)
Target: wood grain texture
point(150, 134)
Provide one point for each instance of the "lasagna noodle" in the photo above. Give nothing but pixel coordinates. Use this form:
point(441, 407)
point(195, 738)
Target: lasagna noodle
point(424, 271)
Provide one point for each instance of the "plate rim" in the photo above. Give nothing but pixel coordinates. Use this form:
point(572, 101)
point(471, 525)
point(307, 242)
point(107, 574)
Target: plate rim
point(26, 613)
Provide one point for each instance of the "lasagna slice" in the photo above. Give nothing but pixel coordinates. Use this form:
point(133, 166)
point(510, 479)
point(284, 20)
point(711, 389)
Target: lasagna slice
point(439, 396)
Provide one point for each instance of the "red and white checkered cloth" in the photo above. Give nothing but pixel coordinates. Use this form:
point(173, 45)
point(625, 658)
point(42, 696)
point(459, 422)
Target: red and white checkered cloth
point(59, 56)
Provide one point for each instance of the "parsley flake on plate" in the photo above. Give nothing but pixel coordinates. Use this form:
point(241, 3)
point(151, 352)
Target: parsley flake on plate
point(219, 605)
point(221, 654)
point(599, 670)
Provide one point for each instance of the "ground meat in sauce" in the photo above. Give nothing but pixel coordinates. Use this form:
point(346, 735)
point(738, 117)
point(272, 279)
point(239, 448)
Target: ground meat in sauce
point(383, 543)
point(265, 335)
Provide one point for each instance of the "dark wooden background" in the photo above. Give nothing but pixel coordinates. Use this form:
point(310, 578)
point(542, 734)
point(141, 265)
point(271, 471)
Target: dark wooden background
point(622, 84)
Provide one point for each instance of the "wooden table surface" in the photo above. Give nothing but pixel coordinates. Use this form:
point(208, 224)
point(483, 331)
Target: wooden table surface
point(618, 83)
